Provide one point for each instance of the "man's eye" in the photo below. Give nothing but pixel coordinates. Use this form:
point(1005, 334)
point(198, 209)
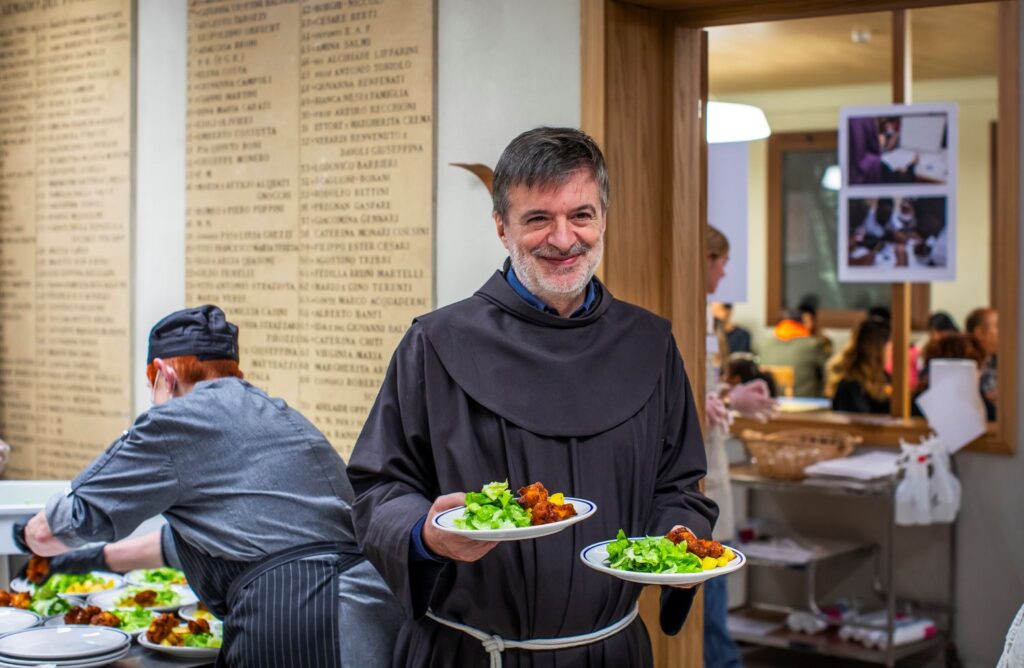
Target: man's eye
point(536, 219)
point(582, 216)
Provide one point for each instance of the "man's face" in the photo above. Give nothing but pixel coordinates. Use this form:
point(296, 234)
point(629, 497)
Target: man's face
point(554, 235)
point(716, 272)
point(988, 333)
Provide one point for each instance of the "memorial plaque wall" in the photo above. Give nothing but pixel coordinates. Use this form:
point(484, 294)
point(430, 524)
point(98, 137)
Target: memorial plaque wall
point(65, 231)
point(310, 190)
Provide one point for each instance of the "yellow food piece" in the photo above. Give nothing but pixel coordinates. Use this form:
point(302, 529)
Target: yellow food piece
point(727, 556)
point(203, 614)
point(557, 499)
point(89, 586)
point(708, 563)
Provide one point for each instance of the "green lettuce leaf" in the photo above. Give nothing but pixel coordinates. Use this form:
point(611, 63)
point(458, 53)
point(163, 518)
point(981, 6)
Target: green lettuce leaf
point(652, 554)
point(493, 507)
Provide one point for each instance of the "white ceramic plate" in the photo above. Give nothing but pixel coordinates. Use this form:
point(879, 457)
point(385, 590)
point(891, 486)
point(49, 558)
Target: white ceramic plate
point(446, 522)
point(181, 652)
point(596, 556)
point(107, 600)
point(65, 642)
point(90, 662)
point(16, 619)
point(58, 620)
point(189, 612)
point(138, 577)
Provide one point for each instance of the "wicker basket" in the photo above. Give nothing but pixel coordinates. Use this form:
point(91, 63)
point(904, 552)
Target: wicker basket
point(785, 454)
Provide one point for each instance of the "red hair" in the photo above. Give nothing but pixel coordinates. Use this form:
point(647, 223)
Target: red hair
point(191, 370)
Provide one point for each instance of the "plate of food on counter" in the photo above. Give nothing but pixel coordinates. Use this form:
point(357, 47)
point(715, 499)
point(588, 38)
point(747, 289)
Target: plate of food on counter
point(494, 514)
point(156, 576)
point(677, 558)
point(191, 639)
point(159, 599)
point(133, 622)
point(43, 601)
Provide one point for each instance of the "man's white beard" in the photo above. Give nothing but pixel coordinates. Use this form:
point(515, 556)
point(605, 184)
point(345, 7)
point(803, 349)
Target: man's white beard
point(525, 266)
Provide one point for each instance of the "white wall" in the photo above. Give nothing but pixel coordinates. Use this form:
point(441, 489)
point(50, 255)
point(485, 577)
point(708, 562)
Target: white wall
point(503, 68)
point(159, 262)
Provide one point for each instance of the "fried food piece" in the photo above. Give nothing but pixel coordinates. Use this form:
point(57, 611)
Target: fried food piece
point(162, 627)
point(80, 615)
point(198, 626)
point(5, 598)
point(145, 598)
point(542, 511)
point(697, 546)
point(21, 600)
point(38, 570)
point(202, 606)
point(105, 619)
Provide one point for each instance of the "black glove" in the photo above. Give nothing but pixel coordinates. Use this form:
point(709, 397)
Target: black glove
point(19, 537)
point(84, 560)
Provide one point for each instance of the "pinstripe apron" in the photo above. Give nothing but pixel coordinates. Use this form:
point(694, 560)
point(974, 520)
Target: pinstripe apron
point(281, 610)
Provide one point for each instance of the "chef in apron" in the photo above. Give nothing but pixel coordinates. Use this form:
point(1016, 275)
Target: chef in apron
point(257, 500)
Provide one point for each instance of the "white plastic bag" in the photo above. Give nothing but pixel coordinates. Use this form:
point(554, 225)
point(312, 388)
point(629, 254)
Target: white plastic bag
point(945, 488)
point(913, 494)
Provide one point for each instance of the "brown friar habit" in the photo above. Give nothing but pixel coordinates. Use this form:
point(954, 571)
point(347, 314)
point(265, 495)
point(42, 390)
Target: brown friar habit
point(491, 388)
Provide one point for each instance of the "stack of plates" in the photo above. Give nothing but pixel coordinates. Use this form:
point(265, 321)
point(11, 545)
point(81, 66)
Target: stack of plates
point(65, 646)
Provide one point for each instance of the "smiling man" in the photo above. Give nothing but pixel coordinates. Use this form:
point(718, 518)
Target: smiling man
point(543, 376)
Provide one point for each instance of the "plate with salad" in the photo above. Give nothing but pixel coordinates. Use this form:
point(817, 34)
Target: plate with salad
point(677, 558)
point(43, 601)
point(133, 622)
point(495, 514)
point(156, 576)
point(159, 599)
point(192, 639)
point(72, 585)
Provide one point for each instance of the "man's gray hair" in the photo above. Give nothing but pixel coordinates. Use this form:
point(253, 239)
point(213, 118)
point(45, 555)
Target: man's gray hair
point(547, 157)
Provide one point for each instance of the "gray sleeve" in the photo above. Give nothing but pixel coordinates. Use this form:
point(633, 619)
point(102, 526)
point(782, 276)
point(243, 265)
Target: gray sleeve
point(168, 548)
point(133, 480)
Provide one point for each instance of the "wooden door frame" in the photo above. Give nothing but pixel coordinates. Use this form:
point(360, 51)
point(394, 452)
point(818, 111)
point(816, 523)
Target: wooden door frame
point(672, 228)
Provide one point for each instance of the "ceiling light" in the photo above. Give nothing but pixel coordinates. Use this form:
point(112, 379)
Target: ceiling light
point(832, 179)
point(730, 122)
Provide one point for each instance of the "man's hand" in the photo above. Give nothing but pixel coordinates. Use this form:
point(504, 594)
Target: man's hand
point(716, 415)
point(40, 540)
point(753, 400)
point(448, 545)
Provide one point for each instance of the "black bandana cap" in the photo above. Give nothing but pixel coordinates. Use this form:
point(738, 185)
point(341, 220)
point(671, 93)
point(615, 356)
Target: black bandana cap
point(203, 331)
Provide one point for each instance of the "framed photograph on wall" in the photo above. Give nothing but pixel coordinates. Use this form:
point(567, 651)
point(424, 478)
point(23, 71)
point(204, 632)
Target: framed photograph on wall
point(896, 237)
point(897, 201)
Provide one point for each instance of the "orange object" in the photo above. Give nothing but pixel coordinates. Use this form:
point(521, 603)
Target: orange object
point(787, 330)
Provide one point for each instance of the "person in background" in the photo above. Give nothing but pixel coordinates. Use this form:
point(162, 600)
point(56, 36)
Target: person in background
point(940, 324)
point(256, 498)
point(952, 346)
point(737, 338)
point(751, 399)
point(983, 325)
point(792, 345)
point(809, 317)
point(863, 385)
point(742, 368)
point(5, 452)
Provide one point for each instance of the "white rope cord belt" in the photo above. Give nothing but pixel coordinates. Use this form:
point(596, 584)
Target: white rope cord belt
point(494, 645)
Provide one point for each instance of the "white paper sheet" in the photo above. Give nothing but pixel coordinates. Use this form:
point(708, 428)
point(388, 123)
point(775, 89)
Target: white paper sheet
point(952, 403)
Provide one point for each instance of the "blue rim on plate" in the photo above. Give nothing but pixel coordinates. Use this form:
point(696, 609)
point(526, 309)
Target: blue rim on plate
point(595, 556)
